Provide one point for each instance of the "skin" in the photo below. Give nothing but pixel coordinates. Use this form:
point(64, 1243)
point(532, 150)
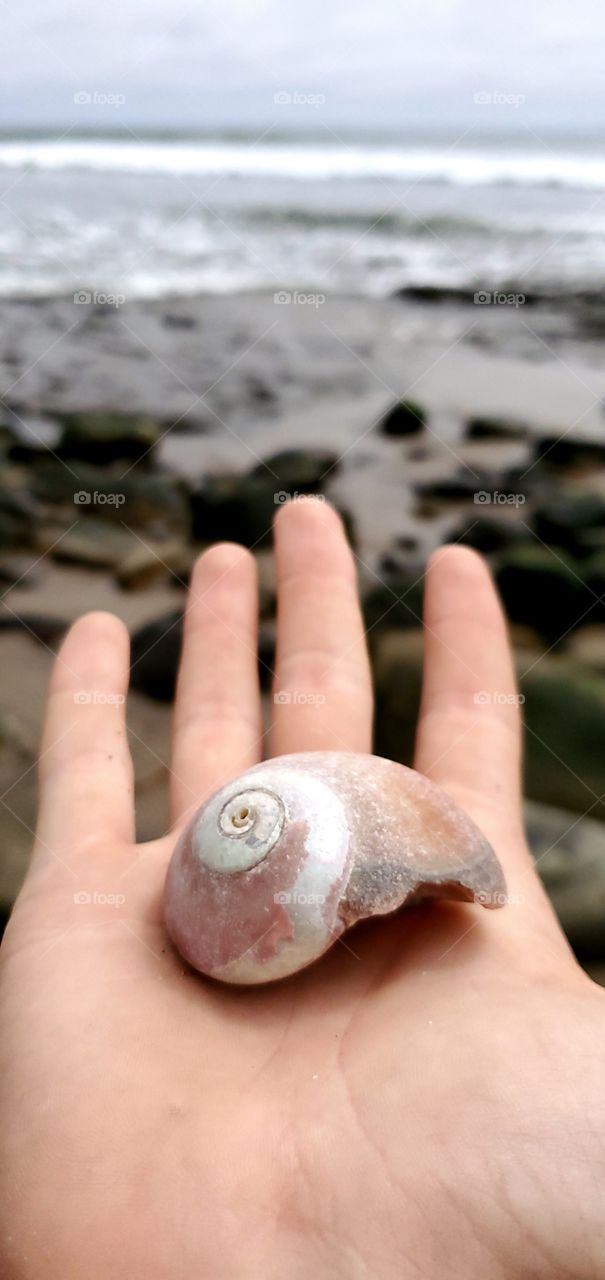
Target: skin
point(427, 1101)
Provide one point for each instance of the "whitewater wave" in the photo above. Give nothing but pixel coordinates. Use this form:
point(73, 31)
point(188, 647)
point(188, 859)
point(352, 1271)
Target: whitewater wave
point(457, 165)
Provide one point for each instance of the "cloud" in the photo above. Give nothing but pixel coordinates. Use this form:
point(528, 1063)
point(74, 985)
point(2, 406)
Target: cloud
point(393, 59)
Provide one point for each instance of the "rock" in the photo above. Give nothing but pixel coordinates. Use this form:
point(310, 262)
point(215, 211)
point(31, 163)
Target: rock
point(526, 643)
point(241, 508)
point(145, 565)
point(457, 488)
point(17, 783)
point(142, 498)
point(38, 626)
point(563, 519)
point(488, 534)
point(405, 418)
point(565, 451)
point(18, 515)
point(266, 654)
point(590, 540)
point(348, 523)
point(91, 542)
point(174, 320)
point(234, 508)
point(399, 560)
point(495, 429)
point(155, 655)
point(265, 567)
point(14, 738)
point(150, 722)
point(397, 667)
point(564, 714)
point(587, 646)
point(565, 735)
point(297, 470)
point(106, 437)
point(29, 437)
point(258, 390)
point(22, 569)
point(395, 603)
point(404, 558)
point(570, 858)
point(542, 589)
point(594, 574)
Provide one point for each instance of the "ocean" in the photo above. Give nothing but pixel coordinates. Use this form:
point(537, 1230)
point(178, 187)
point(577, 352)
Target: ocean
point(152, 216)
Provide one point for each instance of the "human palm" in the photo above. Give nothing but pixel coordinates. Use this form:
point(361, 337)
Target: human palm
point(426, 1101)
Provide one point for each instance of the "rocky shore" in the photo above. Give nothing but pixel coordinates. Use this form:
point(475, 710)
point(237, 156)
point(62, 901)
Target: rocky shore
point(134, 436)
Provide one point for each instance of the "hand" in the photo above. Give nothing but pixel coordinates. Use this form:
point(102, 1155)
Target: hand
point(426, 1101)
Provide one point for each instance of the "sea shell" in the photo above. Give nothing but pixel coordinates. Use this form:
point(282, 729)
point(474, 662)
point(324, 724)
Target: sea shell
point(277, 864)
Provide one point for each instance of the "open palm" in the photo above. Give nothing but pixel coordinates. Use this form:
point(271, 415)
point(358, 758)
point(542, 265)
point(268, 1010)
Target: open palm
point(426, 1101)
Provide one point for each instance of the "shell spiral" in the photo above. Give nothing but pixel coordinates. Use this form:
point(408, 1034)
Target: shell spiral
point(279, 862)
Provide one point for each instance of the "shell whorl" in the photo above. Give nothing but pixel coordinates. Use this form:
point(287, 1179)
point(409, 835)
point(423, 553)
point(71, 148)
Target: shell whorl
point(243, 832)
point(276, 864)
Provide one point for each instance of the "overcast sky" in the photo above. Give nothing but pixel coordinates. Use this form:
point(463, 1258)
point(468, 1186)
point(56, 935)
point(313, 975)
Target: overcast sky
point(388, 62)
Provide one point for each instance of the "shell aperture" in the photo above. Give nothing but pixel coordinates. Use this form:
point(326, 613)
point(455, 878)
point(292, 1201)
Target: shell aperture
point(279, 862)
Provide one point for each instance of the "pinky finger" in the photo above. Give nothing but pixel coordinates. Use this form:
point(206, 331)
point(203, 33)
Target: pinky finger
point(85, 771)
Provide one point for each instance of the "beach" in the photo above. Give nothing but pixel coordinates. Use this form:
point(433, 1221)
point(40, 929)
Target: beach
point(147, 413)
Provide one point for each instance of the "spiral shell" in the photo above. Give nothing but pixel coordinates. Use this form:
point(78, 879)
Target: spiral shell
point(277, 864)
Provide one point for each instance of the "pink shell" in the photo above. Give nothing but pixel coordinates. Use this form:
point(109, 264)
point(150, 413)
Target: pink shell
point(279, 862)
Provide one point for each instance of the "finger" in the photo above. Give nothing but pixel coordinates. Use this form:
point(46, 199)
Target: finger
point(85, 769)
point(217, 720)
point(469, 729)
point(322, 690)
point(469, 733)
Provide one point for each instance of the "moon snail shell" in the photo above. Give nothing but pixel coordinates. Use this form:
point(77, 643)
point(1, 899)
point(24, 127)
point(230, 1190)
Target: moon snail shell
point(278, 863)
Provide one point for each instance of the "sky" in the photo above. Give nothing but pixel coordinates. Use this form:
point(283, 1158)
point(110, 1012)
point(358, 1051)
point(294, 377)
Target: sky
point(389, 64)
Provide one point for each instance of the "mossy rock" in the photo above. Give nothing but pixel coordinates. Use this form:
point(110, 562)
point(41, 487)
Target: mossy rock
point(564, 714)
point(106, 437)
point(17, 518)
point(397, 658)
point(297, 470)
point(565, 520)
point(155, 652)
point(241, 508)
point(93, 543)
point(489, 535)
point(594, 573)
point(570, 859)
point(145, 497)
point(542, 589)
point(235, 508)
